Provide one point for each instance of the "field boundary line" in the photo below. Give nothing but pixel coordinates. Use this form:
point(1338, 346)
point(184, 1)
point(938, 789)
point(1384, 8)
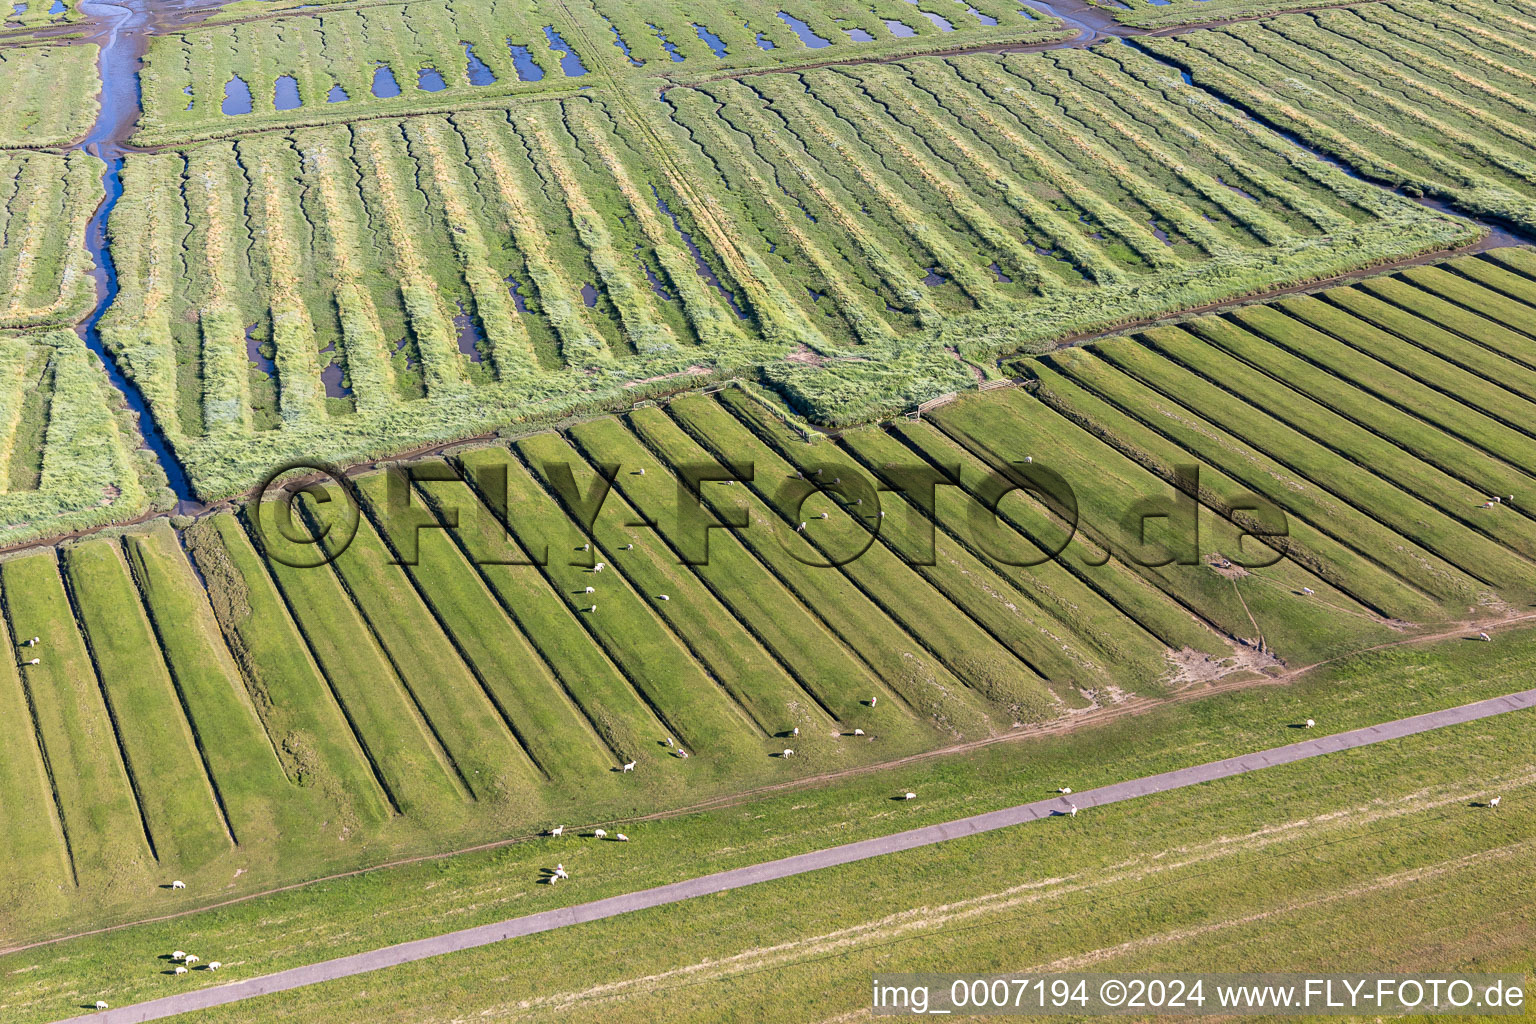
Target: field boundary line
point(532, 924)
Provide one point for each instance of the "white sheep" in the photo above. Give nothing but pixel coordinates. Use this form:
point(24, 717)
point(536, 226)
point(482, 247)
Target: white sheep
point(796, 731)
point(29, 643)
point(178, 884)
point(181, 970)
point(787, 753)
point(35, 661)
point(669, 741)
point(1308, 590)
point(100, 1005)
point(599, 833)
point(591, 590)
point(560, 871)
point(591, 609)
point(822, 516)
point(872, 701)
point(1065, 790)
point(587, 546)
point(858, 732)
point(598, 567)
point(682, 753)
point(910, 796)
point(642, 471)
point(552, 879)
point(1311, 722)
point(1028, 459)
point(663, 597)
point(1073, 811)
point(37, 639)
point(800, 528)
point(215, 966)
point(1494, 803)
point(1484, 636)
point(558, 830)
point(178, 955)
point(621, 837)
point(629, 766)
point(629, 547)
point(192, 959)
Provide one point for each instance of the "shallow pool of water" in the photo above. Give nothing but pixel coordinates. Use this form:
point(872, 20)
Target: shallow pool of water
point(570, 64)
point(384, 84)
point(809, 38)
point(618, 40)
point(337, 94)
point(858, 35)
point(237, 97)
point(715, 42)
point(255, 355)
point(527, 70)
point(430, 80)
point(589, 295)
point(666, 44)
point(900, 29)
point(470, 338)
point(477, 72)
point(285, 94)
point(763, 42)
point(331, 375)
point(985, 19)
point(515, 289)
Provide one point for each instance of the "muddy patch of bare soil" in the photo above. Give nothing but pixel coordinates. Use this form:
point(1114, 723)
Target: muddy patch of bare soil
point(1194, 668)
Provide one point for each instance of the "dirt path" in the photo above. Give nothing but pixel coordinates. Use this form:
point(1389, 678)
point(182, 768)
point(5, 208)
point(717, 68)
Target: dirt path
point(787, 867)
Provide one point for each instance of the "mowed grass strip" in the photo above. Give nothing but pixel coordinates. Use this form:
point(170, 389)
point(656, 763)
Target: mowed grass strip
point(1335, 506)
point(259, 802)
point(462, 715)
point(174, 789)
point(36, 861)
point(1263, 608)
point(958, 573)
point(100, 817)
point(905, 667)
point(1500, 439)
point(314, 741)
point(388, 725)
point(979, 657)
point(1422, 438)
point(683, 694)
point(557, 737)
point(734, 659)
point(1079, 620)
point(620, 719)
point(1035, 529)
point(802, 641)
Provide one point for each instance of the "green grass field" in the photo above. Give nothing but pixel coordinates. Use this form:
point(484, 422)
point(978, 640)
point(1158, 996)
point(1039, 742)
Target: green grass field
point(1310, 839)
point(349, 291)
point(1429, 98)
point(45, 270)
point(47, 94)
point(434, 688)
point(69, 452)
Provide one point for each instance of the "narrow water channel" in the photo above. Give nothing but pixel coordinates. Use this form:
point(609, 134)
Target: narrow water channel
point(122, 33)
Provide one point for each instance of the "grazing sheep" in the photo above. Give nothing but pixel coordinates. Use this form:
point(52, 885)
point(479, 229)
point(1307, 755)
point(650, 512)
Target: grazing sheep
point(1311, 723)
point(560, 871)
point(621, 837)
point(669, 741)
point(35, 661)
point(178, 955)
point(787, 753)
point(599, 833)
point(642, 471)
point(591, 590)
point(1073, 811)
point(629, 547)
point(101, 1005)
point(872, 701)
point(1486, 504)
point(1065, 790)
point(178, 884)
point(1484, 636)
point(800, 528)
point(1307, 590)
point(592, 609)
point(629, 766)
point(29, 643)
point(795, 731)
point(192, 959)
point(552, 879)
point(858, 732)
point(1028, 459)
point(1494, 803)
point(682, 753)
point(37, 639)
point(823, 515)
point(882, 513)
point(558, 830)
point(598, 567)
point(587, 546)
point(215, 966)
point(910, 796)
point(181, 970)
point(662, 597)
